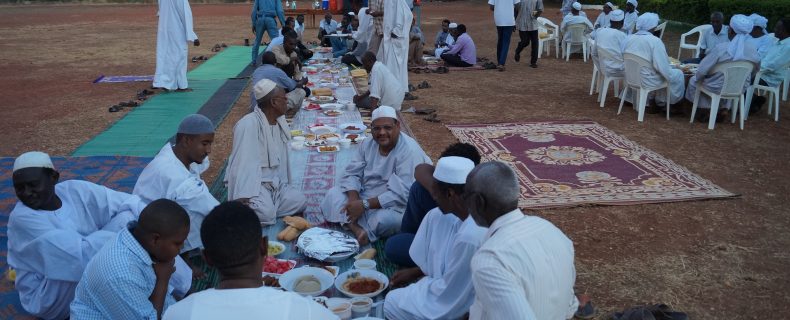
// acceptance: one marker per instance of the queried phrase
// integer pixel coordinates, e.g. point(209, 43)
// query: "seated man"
point(258, 172)
point(278, 40)
point(299, 26)
point(361, 39)
point(416, 42)
point(712, 37)
point(738, 48)
point(574, 18)
point(463, 52)
point(372, 194)
point(56, 228)
point(236, 247)
point(444, 39)
point(325, 27)
point(524, 267)
point(610, 39)
point(128, 278)
point(384, 89)
point(287, 57)
point(774, 65)
point(340, 45)
point(420, 202)
point(175, 174)
point(603, 18)
point(442, 249)
point(296, 90)
point(649, 47)
point(760, 37)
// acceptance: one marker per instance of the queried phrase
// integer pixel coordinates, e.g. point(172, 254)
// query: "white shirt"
point(610, 40)
point(442, 248)
point(250, 303)
point(524, 270)
point(504, 11)
point(299, 28)
point(602, 21)
point(710, 40)
point(385, 87)
point(275, 42)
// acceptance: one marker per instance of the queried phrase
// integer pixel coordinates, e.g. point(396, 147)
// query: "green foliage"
point(771, 9)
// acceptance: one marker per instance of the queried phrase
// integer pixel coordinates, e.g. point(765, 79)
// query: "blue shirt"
point(273, 73)
point(117, 283)
point(267, 8)
point(777, 56)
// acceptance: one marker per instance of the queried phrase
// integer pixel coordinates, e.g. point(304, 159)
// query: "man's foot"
point(586, 309)
point(517, 57)
point(533, 65)
point(183, 90)
point(361, 234)
point(653, 109)
point(501, 67)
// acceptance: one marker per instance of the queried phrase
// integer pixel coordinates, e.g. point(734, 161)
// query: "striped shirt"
point(378, 22)
point(526, 20)
point(524, 270)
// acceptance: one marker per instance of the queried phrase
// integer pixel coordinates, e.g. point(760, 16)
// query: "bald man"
point(128, 278)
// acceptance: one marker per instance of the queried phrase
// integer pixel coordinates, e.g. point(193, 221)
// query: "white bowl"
point(278, 245)
point(380, 277)
point(340, 307)
point(331, 106)
point(299, 138)
point(362, 127)
point(288, 279)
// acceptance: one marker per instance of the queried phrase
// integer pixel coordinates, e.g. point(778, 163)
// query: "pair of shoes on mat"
point(432, 118)
point(655, 312)
point(412, 87)
point(408, 96)
point(424, 85)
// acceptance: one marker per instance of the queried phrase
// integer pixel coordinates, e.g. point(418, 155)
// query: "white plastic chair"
point(661, 27)
point(786, 86)
point(735, 74)
point(595, 82)
point(688, 46)
point(603, 87)
point(545, 25)
point(773, 92)
point(577, 37)
point(633, 80)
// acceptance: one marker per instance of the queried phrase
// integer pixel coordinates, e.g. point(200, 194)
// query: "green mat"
point(226, 64)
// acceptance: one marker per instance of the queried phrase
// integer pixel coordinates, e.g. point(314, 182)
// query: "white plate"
point(276, 275)
point(380, 277)
point(359, 125)
point(332, 113)
point(288, 279)
point(329, 151)
point(322, 129)
point(360, 137)
point(331, 106)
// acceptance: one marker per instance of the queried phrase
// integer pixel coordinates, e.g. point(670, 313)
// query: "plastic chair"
point(661, 27)
point(735, 74)
point(633, 80)
point(786, 85)
point(773, 92)
point(577, 37)
point(545, 25)
point(688, 46)
point(603, 56)
point(595, 82)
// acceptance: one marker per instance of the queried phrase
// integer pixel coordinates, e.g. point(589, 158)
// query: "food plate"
point(332, 113)
point(322, 99)
point(326, 136)
point(331, 106)
point(290, 280)
point(275, 267)
point(275, 248)
point(312, 106)
point(328, 149)
point(327, 245)
point(355, 137)
point(314, 143)
point(347, 281)
point(322, 129)
point(353, 127)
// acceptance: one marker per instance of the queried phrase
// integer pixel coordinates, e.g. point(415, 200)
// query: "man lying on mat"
point(175, 174)
point(56, 228)
point(258, 173)
point(384, 88)
point(236, 246)
point(371, 196)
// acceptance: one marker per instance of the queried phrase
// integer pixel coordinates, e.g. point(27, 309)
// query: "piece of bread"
point(297, 222)
point(322, 92)
point(367, 254)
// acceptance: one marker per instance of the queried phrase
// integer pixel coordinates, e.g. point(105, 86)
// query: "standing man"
point(504, 18)
point(631, 14)
point(175, 30)
point(376, 10)
point(527, 23)
point(565, 9)
point(263, 14)
point(395, 44)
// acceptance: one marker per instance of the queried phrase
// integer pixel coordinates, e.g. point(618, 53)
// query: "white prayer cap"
point(609, 4)
point(352, 14)
point(616, 15)
point(33, 159)
point(263, 87)
point(647, 21)
point(384, 112)
point(577, 6)
point(196, 124)
point(759, 21)
point(453, 170)
point(636, 4)
point(742, 25)
point(453, 25)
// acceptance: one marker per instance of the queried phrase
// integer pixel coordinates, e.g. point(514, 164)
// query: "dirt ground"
point(714, 259)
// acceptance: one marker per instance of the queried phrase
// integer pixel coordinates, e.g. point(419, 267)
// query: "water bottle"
point(293, 4)
point(287, 4)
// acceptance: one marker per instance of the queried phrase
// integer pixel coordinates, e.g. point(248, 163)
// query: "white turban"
point(647, 21)
point(616, 15)
point(759, 21)
point(263, 87)
point(609, 4)
point(636, 4)
point(577, 6)
point(33, 159)
point(196, 124)
point(453, 25)
point(742, 25)
point(453, 170)
point(384, 112)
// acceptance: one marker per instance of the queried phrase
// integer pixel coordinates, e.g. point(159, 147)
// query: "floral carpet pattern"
point(572, 163)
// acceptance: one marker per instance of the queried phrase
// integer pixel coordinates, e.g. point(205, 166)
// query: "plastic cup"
point(340, 307)
point(361, 306)
point(365, 264)
point(297, 145)
point(299, 139)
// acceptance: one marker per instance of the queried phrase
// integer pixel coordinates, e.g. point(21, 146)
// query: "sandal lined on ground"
point(408, 96)
point(424, 85)
point(432, 118)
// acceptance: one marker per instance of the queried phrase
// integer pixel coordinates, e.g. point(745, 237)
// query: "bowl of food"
point(307, 281)
point(276, 267)
point(332, 113)
point(353, 127)
point(361, 283)
point(275, 248)
point(331, 106)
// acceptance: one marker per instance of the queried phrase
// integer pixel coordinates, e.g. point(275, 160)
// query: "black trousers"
point(454, 60)
point(527, 38)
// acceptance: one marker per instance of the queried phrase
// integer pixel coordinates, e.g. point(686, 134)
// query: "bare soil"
point(713, 259)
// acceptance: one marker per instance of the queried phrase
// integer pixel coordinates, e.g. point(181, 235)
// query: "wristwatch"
point(365, 204)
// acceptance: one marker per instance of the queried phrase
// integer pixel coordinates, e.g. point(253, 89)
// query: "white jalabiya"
point(602, 21)
point(50, 249)
point(167, 177)
point(247, 303)
point(629, 23)
point(611, 41)
point(384, 86)
point(714, 82)
point(443, 248)
point(574, 20)
point(762, 44)
point(175, 30)
point(649, 47)
point(388, 178)
point(365, 28)
point(523, 270)
point(258, 167)
point(438, 51)
point(394, 52)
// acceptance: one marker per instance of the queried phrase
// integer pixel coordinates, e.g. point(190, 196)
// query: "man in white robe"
point(372, 194)
point(603, 19)
point(174, 174)
point(649, 47)
point(610, 39)
point(574, 18)
point(258, 171)
point(383, 89)
point(394, 51)
point(631, 15)
point(738, 49)
point(760, 38)
point(442, 250)
point(56, 228)
point(175, 30)
point(448, 42)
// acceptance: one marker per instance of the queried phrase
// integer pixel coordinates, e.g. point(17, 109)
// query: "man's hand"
point(196, 42)
point(404, 277)
point(368, 11)
point(253, 29)
point(163, 270)
point(393, 35)
point(354, 210)
point(303, 81)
